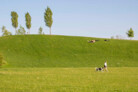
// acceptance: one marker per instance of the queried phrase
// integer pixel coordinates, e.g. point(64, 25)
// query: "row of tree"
point(48, 22)
point(14, 19)
point(20, 31)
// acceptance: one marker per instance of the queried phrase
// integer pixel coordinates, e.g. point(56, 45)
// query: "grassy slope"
point(66, 51)
point(68, 80)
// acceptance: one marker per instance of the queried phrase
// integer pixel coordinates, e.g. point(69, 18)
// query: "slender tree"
point(3, 28)
point(130, 33)
point(40, 30)
point(28, 21)
point(48, 18)
point(14, 20)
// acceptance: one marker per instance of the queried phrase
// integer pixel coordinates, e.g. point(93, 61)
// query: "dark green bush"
point(1, 60)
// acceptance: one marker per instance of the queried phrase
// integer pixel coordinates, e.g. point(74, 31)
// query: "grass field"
point(42, 63)
point(33, 51)
point(124, 79)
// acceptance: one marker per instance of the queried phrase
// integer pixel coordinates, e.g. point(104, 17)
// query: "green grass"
point(41, 51)
point(124, 79)
point(42, 63)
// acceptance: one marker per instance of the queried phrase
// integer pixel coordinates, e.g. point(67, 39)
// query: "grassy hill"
point(67, 51)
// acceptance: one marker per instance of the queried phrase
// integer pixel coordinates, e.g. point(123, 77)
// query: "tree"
point(130, 33)
point(40, 30)
point(1, 60)
point(21, 31)
point(14, 19)
point(112, 37)
point(5, 31)
point(28, 21)
point(48, 18)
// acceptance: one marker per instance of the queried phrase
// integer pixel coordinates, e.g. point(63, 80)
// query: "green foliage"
point(48, 18)
point(130, 33)
point(21, 31)
point(28, 20)
point(40, 30)
point(67, 51)
point(14, 19)
point(5, 32)
point(1, 60)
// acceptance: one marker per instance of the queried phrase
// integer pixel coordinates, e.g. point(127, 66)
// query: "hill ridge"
point(67, 51)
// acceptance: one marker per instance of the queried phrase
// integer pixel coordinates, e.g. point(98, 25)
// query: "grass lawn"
point(121, 79)
point(44, 51)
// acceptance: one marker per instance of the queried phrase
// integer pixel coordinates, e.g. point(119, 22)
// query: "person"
point(105, 66)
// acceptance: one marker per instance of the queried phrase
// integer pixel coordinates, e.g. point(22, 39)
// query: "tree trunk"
point(50, 30)
point(28, 31)
point(15, 31)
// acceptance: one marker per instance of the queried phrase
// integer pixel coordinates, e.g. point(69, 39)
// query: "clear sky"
point(93, 18)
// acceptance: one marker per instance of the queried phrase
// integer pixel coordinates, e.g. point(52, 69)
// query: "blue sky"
point(93, 18)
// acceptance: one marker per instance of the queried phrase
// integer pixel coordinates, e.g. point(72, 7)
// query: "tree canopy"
point(130, 33)
point(40, 30)
point(28, 20)
point(5, 32)
point(21, 31)
point(14, 19)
